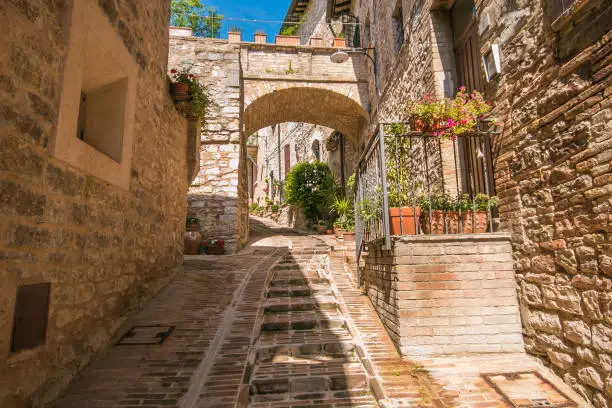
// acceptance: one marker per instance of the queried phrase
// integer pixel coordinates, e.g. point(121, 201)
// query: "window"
point(398, 26)
point(491, 62)
point(559, 7)
point(316, 150)
point(97, 103)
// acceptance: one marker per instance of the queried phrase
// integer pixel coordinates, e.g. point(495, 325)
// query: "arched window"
point(316, 150)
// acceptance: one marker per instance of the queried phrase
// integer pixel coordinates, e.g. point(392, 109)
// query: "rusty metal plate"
point(31, 316)
point(528, 389)
point(145, 335)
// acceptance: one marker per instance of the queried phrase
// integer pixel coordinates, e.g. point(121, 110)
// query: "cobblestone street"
point(282, 325)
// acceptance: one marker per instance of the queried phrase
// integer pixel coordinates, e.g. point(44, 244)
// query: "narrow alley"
point(281, 325)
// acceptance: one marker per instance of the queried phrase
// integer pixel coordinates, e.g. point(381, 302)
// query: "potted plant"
point(197, 94)
point(321, 227)
point(448, 117)
point(339, 229)
point(260, 37)
point(404, 210)
point(234, 34)
point(475, 212)
point(180, 84)
point(192, 237)
point(339, 41)
point(439, 214)
point(332, 142)
point(214, 246)
point(349, 233)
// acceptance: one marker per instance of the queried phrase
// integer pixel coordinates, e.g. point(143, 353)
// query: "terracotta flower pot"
point(316, 41)
point(440, 219)
point(260, 38)
point(321, 229)
point(180, 91)
point(481, 218)
point(214, 250)
point(329, 232)
point(339, 43)
point(407, 223)
point(340, 233)
point(234, 36)
point(192, 241)
point(287, 40)
point(349, 236)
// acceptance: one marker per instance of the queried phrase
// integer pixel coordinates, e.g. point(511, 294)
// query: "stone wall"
point(552, 162)
point(216, 192)
point(553, 180)
point(104, 249)
point(446, 294)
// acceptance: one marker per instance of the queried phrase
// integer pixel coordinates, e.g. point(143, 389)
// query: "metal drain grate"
point(145, 335)
point(528, 389)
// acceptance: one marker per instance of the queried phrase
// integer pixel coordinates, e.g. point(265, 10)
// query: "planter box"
point(339, 43)
point(234, 37)
point(451, 220)
point(214, 250)
point(180, 91)
point(260, 38)
point(287, 40)
point(407, 224)
point(316, 41)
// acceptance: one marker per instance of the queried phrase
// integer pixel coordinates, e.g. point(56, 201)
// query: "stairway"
point(305, 355)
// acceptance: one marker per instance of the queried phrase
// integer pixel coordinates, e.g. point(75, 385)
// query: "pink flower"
point(463, 121)
point(462, 89)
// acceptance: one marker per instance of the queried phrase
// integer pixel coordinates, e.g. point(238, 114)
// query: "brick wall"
point(446, 294)
point(103, 248)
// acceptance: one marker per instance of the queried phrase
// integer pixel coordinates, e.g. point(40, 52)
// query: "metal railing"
point(434, 185)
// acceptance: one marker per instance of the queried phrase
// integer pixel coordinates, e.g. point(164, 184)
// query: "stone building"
point(92, 212)
point(545, 66)
point(299, 142)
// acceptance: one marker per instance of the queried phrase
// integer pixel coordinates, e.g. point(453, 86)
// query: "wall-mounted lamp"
point(341, 56)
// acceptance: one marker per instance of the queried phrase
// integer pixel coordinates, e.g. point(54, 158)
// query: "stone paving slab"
point(436, 380)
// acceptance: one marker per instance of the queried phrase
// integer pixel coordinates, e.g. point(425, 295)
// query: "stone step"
point(294, 274)
point(299, 290)
point(352, 402)
point(298, 281)
point(302, 324)
point(313, 302)
point(281, 353)
point(302, 387)
point(305, 337)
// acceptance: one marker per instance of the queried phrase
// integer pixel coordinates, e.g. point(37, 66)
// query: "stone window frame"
point(87, 25)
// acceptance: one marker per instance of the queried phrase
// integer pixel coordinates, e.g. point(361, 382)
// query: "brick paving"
point(283, 325)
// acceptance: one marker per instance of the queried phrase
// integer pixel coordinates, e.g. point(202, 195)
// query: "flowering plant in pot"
point(444, 117)
point(185, 87)
point(475, 211)
point(439, 214)
point(342, 207)
point(214, 246)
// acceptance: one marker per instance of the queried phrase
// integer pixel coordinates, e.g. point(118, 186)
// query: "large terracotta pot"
point(234, 36)
point(349, 236)
point(481, 218)
point(438, 220)
point(340, 233)
point(288, 40)
point(407, 223)
point(180, 91)
point(339, 43)
point(321, 229)
point(192, 241)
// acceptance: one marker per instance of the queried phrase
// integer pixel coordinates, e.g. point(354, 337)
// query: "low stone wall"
point(446, 294)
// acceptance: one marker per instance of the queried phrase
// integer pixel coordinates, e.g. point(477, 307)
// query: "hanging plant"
point(185, 87)
point(332, 142)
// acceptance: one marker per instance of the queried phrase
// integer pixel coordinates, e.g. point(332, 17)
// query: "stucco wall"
point(105, 249)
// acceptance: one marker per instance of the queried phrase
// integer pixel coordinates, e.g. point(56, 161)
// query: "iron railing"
point(434, 185)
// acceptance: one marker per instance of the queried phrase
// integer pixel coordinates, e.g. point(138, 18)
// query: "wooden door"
point(468, 62)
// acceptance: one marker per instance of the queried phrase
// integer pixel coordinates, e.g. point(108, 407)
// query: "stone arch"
point(318, 106)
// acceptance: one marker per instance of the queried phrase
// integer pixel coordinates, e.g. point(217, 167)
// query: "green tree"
point(311, 186)
point(205, 21)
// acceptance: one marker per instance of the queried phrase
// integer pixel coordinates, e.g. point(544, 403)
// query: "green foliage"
point(350, 184)
point(293, 28)
point(274, 208)
point(369, 213)
point(192, 220)
point(204, 21)
point(199, 98)
point(311, 186)
point(343, 208)
point(402, 187)
point(235, 29)
point(437, 202)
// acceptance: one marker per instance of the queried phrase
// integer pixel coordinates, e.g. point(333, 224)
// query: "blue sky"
point(274, 10)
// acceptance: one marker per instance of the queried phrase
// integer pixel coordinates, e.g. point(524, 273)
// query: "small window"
point(398, 26)
point(316, 150)
point(559, 7)
point(31, 316)
point(492, 62)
